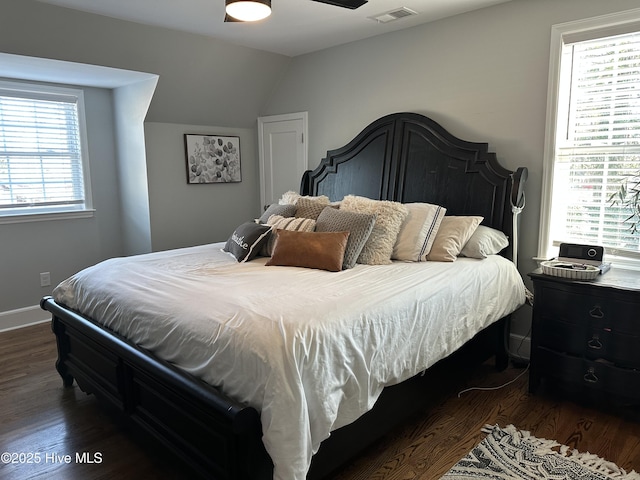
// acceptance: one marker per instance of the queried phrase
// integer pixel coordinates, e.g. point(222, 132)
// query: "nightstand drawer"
point(585, 337)
point(570, 307)
point(577, 374)
point(621, 349)
point(625, 317)
point(563, 336)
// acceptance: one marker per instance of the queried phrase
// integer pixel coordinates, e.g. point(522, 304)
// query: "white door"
point(282, 153)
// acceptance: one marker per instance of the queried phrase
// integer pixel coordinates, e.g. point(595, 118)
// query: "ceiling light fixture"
point(248, 10)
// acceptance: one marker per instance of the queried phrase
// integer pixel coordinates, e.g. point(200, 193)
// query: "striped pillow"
point(286, 223)
point(418, 232)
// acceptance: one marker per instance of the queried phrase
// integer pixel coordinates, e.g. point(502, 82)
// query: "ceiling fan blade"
point(351, 4)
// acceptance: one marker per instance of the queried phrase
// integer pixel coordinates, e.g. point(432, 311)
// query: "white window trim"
point(60, 214)
point(577, 30)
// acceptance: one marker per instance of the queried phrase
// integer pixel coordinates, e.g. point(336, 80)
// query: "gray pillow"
point(275, 209)
point(359, 226)
point(245, 242)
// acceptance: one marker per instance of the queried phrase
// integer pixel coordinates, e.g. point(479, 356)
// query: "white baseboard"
point(519, 347)
point(23, 317)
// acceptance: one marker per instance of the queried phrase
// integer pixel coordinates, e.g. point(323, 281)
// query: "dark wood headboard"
point(407, 157)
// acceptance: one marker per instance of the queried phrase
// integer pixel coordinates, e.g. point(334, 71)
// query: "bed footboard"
point(214, 435)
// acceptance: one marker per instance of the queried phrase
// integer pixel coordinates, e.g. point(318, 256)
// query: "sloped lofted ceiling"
point(295, 27)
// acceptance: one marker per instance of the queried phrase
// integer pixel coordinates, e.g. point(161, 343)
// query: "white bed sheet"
point(309, 349)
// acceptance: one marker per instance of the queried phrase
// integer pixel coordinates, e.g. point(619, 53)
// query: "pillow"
point(453, 234)
point(310, 207)
point(321, 250)
point(282, 223)
point(359, 226)
point(418, 231)
point(291, 197)
point(485, 241)
point(275, 209)
point(245, 242)
point(389, 217)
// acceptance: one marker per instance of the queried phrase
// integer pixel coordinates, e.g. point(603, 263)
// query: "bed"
point(258, 369)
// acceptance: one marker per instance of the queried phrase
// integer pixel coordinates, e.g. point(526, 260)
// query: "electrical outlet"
point(45, 279)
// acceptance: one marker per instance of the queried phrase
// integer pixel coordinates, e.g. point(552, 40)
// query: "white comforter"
point(311, 350)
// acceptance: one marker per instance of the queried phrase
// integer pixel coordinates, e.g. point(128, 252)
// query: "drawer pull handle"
point(595, 343)
point(590, 376)
point(596, 312)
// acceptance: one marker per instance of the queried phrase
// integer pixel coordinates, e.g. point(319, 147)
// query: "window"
point(43, 165)
point(593, 143)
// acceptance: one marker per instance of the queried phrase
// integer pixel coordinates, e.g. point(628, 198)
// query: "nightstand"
point(585, 338)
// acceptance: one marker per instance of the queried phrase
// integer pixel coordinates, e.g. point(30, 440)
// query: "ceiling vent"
point(392, 15)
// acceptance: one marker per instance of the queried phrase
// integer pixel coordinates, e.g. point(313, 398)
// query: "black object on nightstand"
point(585, 338)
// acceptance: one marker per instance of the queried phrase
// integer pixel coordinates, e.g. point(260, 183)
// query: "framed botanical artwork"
point(212, 158)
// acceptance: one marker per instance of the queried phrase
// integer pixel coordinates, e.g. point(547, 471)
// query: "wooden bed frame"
point(404, 157)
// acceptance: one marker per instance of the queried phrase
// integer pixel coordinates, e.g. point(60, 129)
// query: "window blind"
point(597, 142)
point(41, 166)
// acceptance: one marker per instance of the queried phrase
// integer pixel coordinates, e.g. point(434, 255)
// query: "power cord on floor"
point(496, 387)
point(517, 354)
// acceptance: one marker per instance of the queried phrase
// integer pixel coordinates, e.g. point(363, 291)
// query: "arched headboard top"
point(408, 157)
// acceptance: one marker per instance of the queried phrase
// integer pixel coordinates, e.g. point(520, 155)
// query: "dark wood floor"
point(41, 422)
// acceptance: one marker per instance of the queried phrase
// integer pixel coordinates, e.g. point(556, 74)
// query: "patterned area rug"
point(511, 454)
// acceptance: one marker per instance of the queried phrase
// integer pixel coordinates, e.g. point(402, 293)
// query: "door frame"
point(304, 116)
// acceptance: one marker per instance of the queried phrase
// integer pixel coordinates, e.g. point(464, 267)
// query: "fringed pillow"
point(389, 217)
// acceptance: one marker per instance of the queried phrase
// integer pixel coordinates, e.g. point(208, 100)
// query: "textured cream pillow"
point(418, 231)
point(389, 217)
point(291, 198)
point(310, 207)
point(452, 236)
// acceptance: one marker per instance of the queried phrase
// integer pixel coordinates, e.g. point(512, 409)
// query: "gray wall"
point(183, 215)
point(202, 81)
point(483, 75)
point(64, 246)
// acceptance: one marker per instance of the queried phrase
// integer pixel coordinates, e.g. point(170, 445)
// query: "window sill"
point(45, 217)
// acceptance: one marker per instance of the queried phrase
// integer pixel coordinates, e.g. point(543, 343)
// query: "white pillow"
point(418, 231)
point(485, 241)
point(291, 198)
point(452, 236)
point(389, 217)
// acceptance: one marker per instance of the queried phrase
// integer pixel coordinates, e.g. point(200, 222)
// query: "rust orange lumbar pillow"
point(321, 250)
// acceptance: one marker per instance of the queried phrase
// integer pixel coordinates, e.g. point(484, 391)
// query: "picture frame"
point(212, 159)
